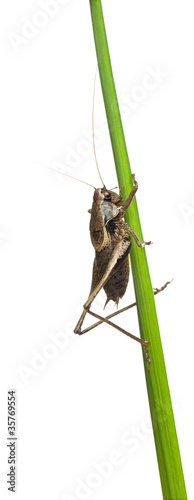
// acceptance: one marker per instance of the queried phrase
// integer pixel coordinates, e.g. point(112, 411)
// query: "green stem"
point(167, 449)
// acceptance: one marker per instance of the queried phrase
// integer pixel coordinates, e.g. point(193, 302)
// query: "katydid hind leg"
point(106, 320)
point(118, 252)
point(126, 308)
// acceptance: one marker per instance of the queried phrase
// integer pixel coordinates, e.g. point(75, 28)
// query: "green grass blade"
point(167, 449)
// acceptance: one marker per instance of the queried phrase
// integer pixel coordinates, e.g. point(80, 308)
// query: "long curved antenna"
point(93, 119)
point(63, 173)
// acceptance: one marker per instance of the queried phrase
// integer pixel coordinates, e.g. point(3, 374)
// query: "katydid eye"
point(107, 196)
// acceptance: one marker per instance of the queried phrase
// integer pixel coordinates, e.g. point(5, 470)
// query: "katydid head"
point(103, 194)
point(114, 198)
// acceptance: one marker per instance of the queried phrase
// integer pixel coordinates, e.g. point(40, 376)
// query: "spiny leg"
point(155, 290)
point(130, 197)
point(106, 317)
point(144, 343)
point(137, 241)
point(158, 290)
point(123, 209)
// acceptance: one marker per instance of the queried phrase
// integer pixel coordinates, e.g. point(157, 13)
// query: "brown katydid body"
point(107, 231)
point(110, 236)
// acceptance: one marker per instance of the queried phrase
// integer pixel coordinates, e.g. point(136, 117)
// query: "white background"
point(89, 400)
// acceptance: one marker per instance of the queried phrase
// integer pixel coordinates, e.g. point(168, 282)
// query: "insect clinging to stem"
point(111, 239)
point(110, 236)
